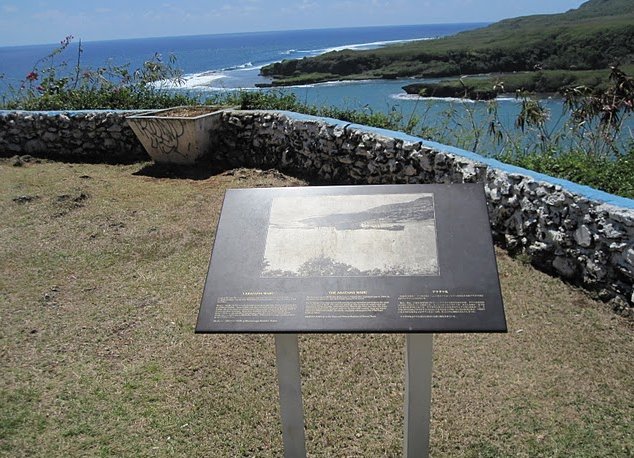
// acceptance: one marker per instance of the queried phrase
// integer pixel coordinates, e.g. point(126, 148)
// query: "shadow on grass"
point(199, 171)
point(206, 170)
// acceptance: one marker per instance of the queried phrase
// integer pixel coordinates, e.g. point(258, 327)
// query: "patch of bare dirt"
point(189, 112)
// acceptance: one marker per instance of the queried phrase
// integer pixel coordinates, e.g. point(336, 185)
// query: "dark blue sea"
point(221, 61)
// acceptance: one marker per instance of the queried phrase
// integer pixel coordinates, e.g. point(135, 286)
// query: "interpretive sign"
point(388, 258)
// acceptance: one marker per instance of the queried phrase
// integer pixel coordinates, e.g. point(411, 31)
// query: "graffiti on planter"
point(164, 136)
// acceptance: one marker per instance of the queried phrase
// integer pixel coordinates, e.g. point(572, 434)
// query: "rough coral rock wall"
point(90, 136)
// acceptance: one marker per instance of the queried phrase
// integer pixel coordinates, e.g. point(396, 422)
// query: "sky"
point(24, 22)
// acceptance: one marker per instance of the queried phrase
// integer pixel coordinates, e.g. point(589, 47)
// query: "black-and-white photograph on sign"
point(351, 236)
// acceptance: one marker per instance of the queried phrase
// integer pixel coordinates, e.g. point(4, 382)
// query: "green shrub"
point(278, 100)
point(613, 175)
point(51, 86)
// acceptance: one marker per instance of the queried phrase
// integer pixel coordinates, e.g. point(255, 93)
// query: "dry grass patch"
point(101, 272)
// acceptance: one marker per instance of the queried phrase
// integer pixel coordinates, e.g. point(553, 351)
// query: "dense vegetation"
point(598, 34)
point(53, 85)
point(486, 87)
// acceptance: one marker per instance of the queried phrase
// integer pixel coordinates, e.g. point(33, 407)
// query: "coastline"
point(481, 86)
point(543, 53)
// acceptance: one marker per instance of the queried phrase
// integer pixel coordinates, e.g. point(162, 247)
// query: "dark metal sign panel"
point(390, 258)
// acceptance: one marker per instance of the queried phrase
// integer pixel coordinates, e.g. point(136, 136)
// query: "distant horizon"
point(263, 32)
point(46, 22)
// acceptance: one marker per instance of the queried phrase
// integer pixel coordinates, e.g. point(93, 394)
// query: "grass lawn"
point(101, 273)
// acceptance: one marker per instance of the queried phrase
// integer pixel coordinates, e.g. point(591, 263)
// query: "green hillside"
point(598, 34)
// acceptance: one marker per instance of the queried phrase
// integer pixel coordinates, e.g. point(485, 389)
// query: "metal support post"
point(418, 367)
point(292, 411)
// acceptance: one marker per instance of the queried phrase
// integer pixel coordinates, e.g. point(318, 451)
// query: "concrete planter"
point(179, 135)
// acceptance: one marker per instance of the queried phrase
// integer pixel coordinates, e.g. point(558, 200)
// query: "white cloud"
point(307, 5)
point(8, 8)
point(49, 15)
point(241, 9)
point(303, 6)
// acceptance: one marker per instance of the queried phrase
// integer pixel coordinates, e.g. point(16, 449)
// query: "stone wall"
point(80, 135)
point(575, 232)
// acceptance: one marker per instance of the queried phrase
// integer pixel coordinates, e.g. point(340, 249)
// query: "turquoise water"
point(454, 120)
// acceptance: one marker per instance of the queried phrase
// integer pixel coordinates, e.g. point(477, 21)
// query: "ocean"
point(223, 61)
point(214, 64)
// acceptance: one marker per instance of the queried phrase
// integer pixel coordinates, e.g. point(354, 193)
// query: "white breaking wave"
point(333, 83)
point(508, 99)
point(193, 81)
point(406, 96)
point(353, 46)
point(451, 99)
point(247, 66)
point(365, 46)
